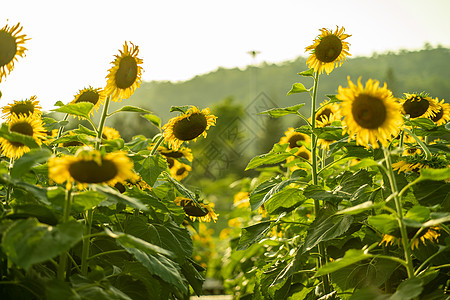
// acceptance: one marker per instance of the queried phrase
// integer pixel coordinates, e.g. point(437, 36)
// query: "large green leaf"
point(28, 242)
point(17, 137)
point(253, 234)
point(259, 194)
point(40, 212)
point(129, 241)
point(29, 160)
point(193, 276)
point(351, 256)
point(408, 289)
point(325, 228)
point(81, 109)
point(279, 112)
point(384, 223)
point(117, 197)
point(36, 192)
point(86, 200)
point(287, 199)
point(150, 168)
point(434, 174)
point(278, 154)
point(430, 193)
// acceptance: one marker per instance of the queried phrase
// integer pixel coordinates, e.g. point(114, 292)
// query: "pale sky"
point(73, 42)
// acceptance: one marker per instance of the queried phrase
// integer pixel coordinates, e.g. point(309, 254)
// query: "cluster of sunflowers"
point(96, 165)
point(333, 196)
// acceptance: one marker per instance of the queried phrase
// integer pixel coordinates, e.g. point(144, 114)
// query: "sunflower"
point(329, 50)
point(292, 138)
point(95, 96)
point(179, 171)
point(110, 133)
point(11, 47)
point(25, 107)
point(370, 112)
point(204, 213)
point(431, 234)
point(416, 162)
point(125, 76)
point(302, 153)
point(188, 126)
point(91, 167)
point(417, 106)
point(442, 115)
point(27, 125)
point(325, 116)
point(182, 152)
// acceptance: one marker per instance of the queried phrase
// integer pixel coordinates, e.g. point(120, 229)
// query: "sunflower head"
point(328, 50)
point(431, 235)
point(178, 170)
point(110, 133)
point(371, 112)
point(25, 107)
point(442, 114)
point(27, 125)
point(293, 138)
point(417, 161)
point(91, 95)
point(125, 75)
point(182, 152)
point(419, 105)
point(91, 167)
point(188, 126)
point(325, 116)
point(11, 47)
point(204, 212)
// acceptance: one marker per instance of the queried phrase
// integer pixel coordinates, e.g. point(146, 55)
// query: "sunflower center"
point(294, 139)
point(325, 113)
point(181, 171)
point(438, 115)
point(88, 96)
point(170, 162)
point(22, 128)
point(174, 154)
point(304, 155)
point(189, 128)
point(194, 211)
point(127, 72)
point(22, 108)
point(416, 107)
point(329, 48)
point(369, 112)
point(88, 171)
point(8, 47)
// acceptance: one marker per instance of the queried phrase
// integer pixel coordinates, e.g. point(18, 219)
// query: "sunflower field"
point(353, 205)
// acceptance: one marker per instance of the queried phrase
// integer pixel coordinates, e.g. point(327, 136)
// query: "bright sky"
point(73, 42)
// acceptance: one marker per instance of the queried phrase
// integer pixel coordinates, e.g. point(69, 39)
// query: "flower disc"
point(369, 112)
point(11, 47)
point(191, 127)
point(25, 107)
point(419, 106)
point(88, 171)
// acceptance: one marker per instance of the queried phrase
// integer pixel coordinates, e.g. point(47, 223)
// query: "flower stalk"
point(62, 266)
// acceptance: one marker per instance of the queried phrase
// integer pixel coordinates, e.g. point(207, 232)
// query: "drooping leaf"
point(40, 212)
point(351, 256)
point(183, 109)
point(307, 73)
point(434, 174)
point(155, 120)
point(130, 108)
point(279, 112)
point(27, 242)
point(117, 197)
point(408, 289)
point(286, 199)
point(278, 154)
point(81, 109)
point(297, 88)
point(252, 234)
point(29, 160)
point(194, 277)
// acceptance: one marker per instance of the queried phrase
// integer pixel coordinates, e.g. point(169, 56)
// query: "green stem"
point(422, 145)
point(86, 242)
point(9, 187)
point(102, 123)
point(398, 207)
point(322, 259)
point(61, 273)
point(158, 142)
point(106, 253)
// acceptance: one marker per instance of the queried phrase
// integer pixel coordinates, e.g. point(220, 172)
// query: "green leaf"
point(194, 278)
point(357, 208)
point(117, 197)
point(29, 160)
point(155, 120)
point(279, 112)
point(434, 174)
point(51, 124)
point(438, 221)
point(258, 196)
point(86, 200)
point(252, 234)
point(57, 289)
point(408, 289)
point(285, 200)
point(424, 123)
point(297, 88)
point(130, 108)
point(318, 193)
point(278, 154)
point(183, 109)
point(81, 109)
point(384, 223)
point(150, 168)
point(129, 241)
point(35, 191)
point(418, 213)
point(181, 188)
point(326, 228)
point(40, 212)
point(308, 73)
point(351, 256)
point(59, 103)
point(28, 242)
point(17, 137)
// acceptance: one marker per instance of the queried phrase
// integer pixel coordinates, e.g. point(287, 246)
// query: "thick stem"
point(86, 242)
point(158, 142)
point(399, 209)
point(61, 273)
point(102, 123)
point(322, 259)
